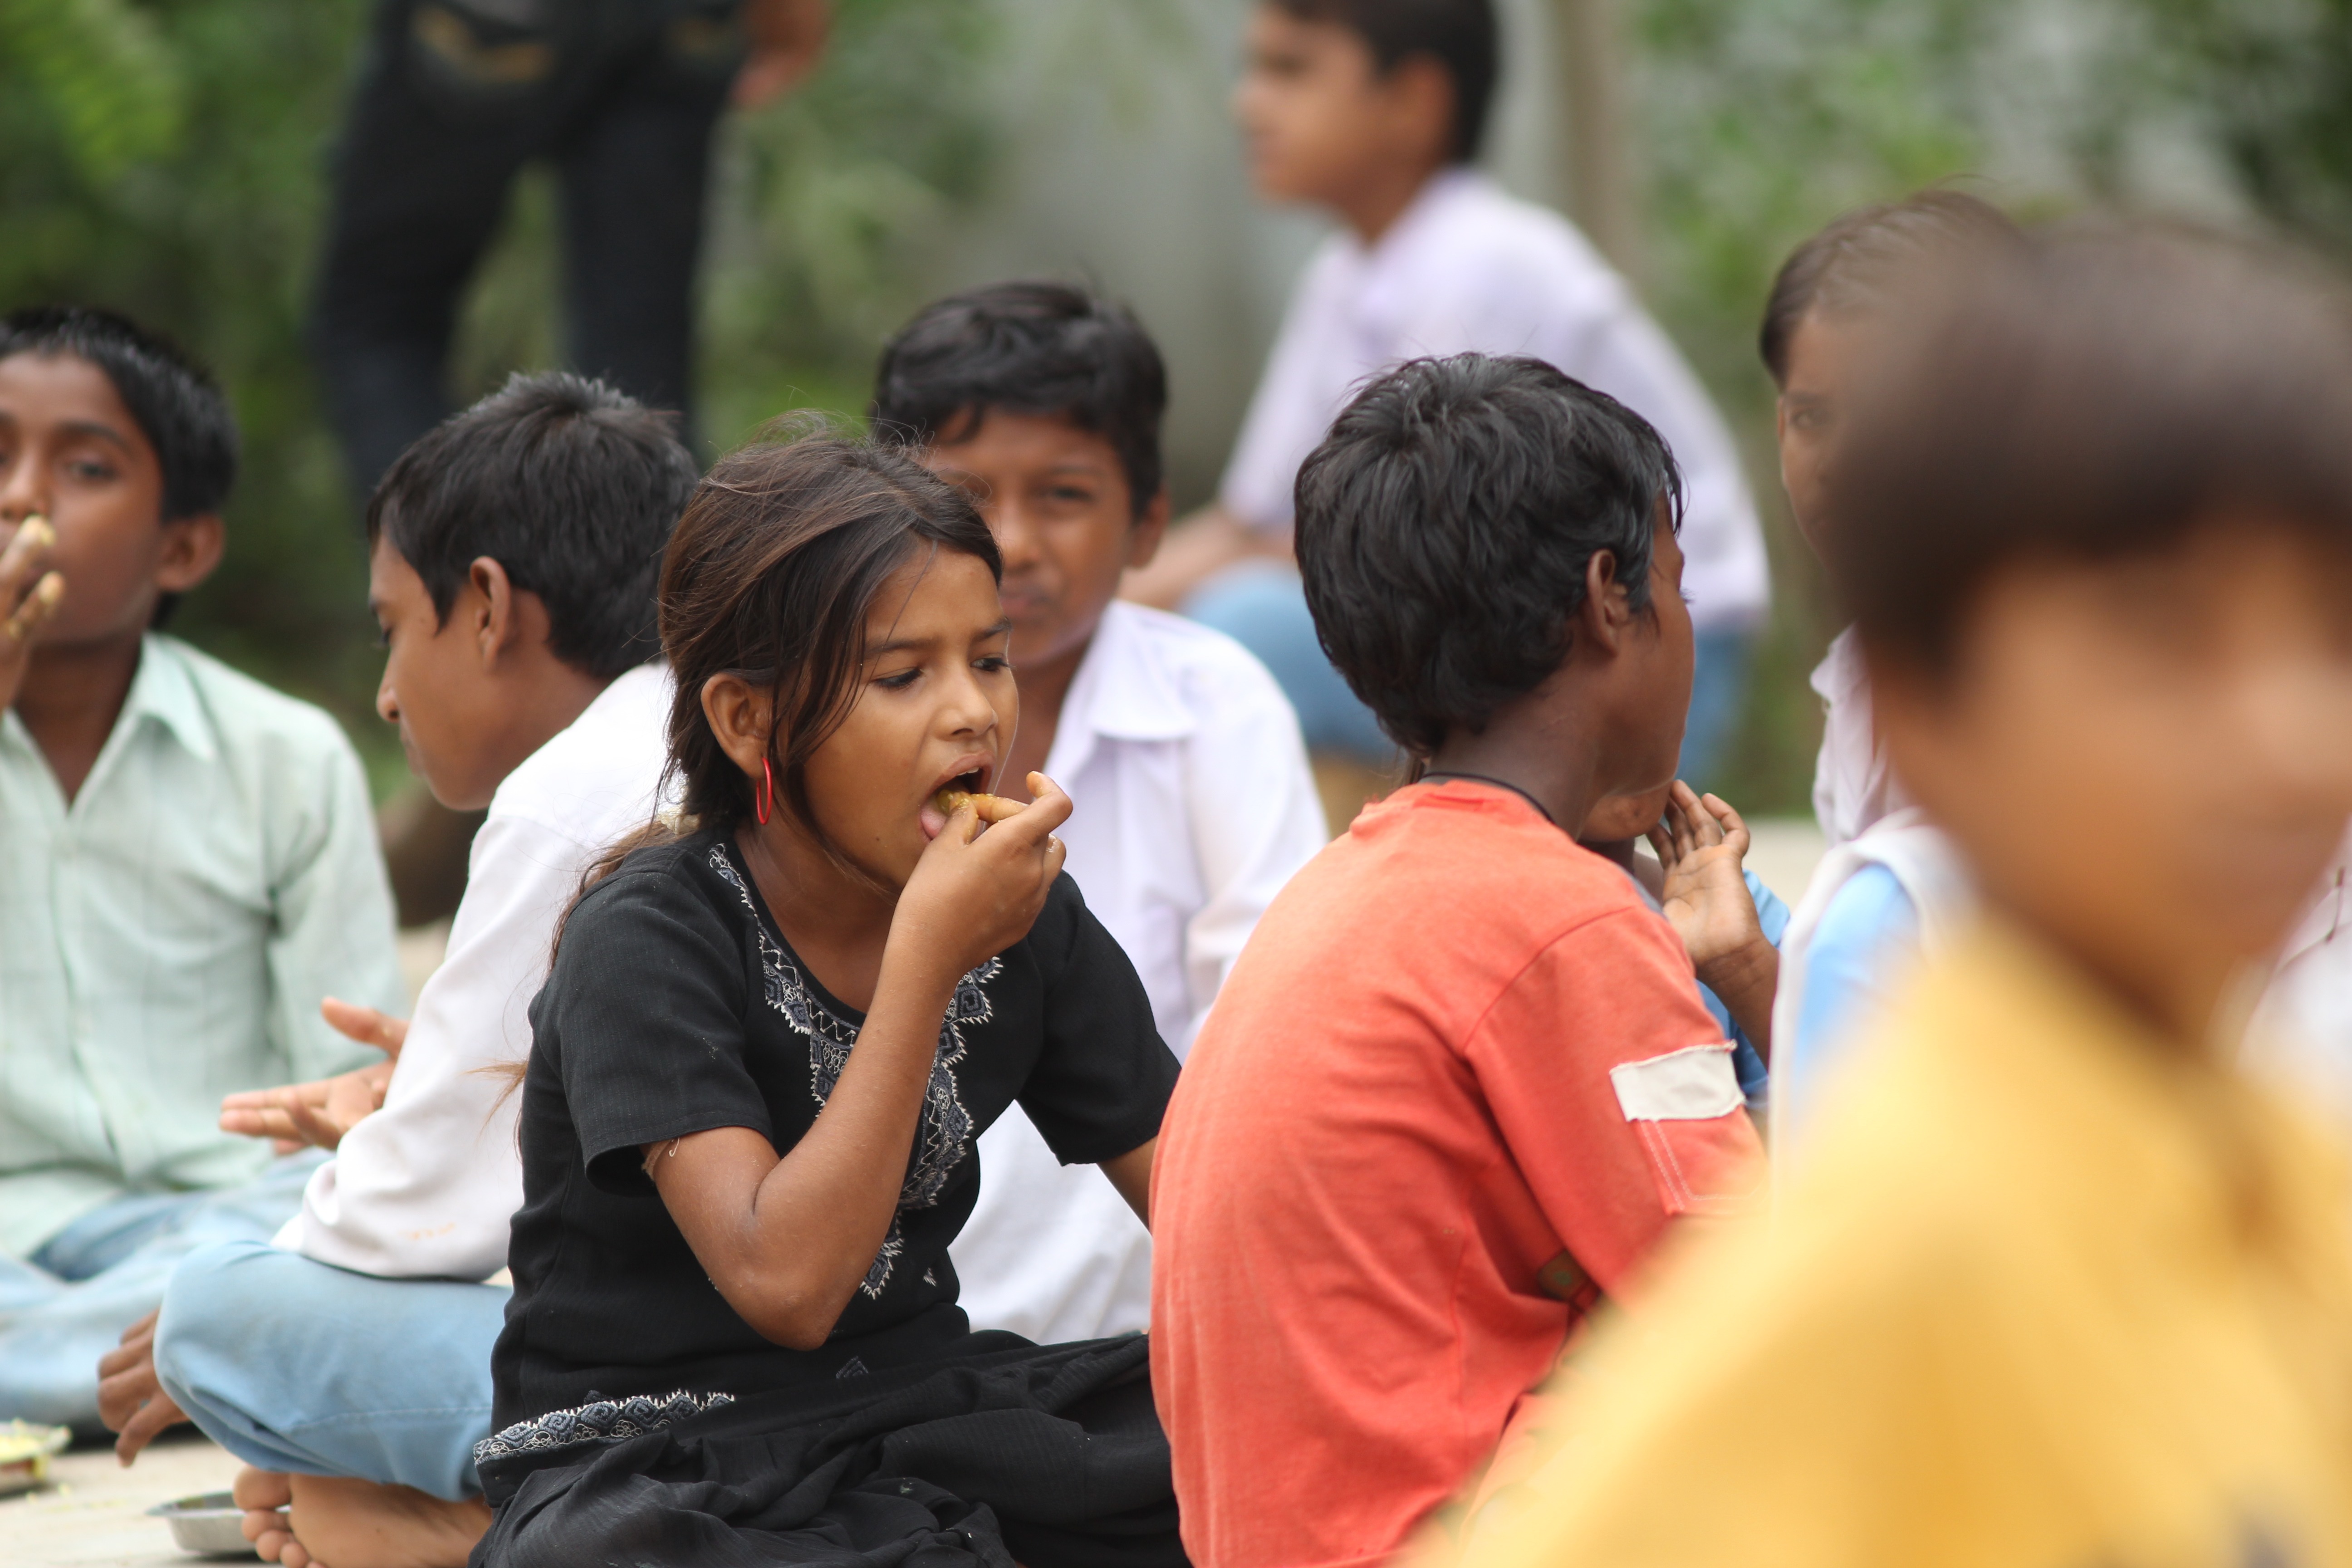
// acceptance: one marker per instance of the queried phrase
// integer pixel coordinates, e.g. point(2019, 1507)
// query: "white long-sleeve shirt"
point(1470, 268)
point(1193, 806)
point(424, 1188)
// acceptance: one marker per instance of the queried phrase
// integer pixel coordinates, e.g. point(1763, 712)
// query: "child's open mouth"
point(934, 815)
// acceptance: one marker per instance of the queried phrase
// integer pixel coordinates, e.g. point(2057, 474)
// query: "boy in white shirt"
point(515, 552)
point(1194, 801)
point(1373, 110)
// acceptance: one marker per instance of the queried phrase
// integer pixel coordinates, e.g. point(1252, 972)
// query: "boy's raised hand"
point(1700, 843)
point(29, 596)
point(320, 1112)
point(975, 893)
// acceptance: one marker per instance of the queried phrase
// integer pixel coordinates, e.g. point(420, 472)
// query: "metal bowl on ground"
point(209, 1524)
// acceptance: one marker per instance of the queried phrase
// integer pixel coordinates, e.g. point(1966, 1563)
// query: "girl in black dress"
point(761, 1061)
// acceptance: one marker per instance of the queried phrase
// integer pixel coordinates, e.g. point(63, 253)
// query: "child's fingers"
point(36, 608)
point(1678, 823)
point(20, 562)
point(1033, 824)
point(1733, 825)
point(1706, 831)
point(1662, 843)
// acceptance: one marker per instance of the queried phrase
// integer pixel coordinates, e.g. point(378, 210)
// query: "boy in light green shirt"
point(188, 863)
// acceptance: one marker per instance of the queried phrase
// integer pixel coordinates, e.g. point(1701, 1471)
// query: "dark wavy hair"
point(1444, 525)
point(173, 398)
point(570, 485)
point(769, 577)
point(1028, 347)
point(1461, 36)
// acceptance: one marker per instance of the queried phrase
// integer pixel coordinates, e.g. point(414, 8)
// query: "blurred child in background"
point(1889, 881)
point(1374, 111)
point(2057, 1282)
point(1194, 800)
point(1460, 1082)
point(188, 862)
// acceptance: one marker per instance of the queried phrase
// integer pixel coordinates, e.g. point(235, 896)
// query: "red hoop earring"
point(767, 802)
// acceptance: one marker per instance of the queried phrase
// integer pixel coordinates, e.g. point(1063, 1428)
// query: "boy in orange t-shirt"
point(1461, 1079)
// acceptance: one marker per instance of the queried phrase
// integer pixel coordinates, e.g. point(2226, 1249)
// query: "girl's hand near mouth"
point(974, 894)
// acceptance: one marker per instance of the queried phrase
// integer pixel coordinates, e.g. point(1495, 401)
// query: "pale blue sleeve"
point(1869, 929)
point(1746, 1059)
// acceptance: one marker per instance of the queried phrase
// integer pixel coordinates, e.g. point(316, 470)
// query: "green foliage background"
point(166, 157)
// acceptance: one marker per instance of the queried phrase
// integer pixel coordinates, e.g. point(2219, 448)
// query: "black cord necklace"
point(1483, 778)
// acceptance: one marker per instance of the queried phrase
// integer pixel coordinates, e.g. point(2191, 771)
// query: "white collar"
point(1123, 690)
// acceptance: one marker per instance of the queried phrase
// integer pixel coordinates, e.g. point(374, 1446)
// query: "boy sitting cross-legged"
point(187, 859)
point(515, 550)
point(1194, 800)
point(1462, 1079)
point(2056, 1281)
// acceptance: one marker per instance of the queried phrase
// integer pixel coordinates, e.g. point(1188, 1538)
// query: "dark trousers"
point(453, 98)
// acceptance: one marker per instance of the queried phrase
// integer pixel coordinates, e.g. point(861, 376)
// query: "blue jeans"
point(293, 1364)
point(68, 1304)
point(1719, 695)
point(1261, 605)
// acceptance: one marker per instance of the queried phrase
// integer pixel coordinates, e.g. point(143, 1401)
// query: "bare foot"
point(331, 1521)
point(264, 1494)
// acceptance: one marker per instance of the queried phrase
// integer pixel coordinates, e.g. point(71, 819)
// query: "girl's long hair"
point(769, 577)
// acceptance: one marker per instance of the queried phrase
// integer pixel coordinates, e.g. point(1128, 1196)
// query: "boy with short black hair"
point(1194, 801)
point(516, 549)
point(1373, 111)
point(2056, 1281)
point(188, 861)
point(1461, 1081)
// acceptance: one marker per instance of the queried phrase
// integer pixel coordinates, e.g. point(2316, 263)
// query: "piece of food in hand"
point(990, 807)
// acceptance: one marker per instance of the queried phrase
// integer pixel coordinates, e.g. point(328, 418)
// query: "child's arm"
point(786, 1240)
point(1131, 1174)
point(1700, 844)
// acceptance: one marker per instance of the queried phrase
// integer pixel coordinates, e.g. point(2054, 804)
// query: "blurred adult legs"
point(447, 111)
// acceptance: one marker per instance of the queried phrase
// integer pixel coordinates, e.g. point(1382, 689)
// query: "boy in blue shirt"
point(188, 862)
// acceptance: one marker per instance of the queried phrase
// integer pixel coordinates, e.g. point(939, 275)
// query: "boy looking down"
point(1194, 801)
point(188, 861)
point(2056, 1281)
point(1461, 1079)
point(514, 554)
point(1373, 111)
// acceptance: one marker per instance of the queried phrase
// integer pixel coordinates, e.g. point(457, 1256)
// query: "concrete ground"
point(93, 1514)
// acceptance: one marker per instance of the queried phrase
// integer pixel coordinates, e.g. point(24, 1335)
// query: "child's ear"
point(193, 546)
point(496, 617)
point(1143, 538)
point(1607, 612)
point(741, 717)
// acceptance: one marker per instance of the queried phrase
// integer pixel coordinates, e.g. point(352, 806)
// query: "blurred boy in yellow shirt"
point(2055, 1285)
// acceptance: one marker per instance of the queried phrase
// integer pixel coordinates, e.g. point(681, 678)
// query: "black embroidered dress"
point(676, 1006)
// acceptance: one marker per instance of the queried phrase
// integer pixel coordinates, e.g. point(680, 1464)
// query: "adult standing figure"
point(453, 98)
